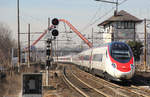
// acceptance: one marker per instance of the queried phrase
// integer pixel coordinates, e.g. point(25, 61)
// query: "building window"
point(126, 25)
point(119, 25)
point(129, 25)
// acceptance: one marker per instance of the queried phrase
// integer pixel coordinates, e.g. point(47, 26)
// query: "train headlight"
point(132, 66)
point(114, 65)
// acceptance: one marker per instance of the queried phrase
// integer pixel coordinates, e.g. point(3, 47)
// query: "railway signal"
point(55, 21)
point(48, 52)
point(53, 34)
point(48, 63)
point(54, 31)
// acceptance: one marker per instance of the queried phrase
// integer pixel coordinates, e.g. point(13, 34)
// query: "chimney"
point(115, 13)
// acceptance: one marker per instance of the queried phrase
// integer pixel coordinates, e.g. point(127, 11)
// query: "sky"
point(83, 14)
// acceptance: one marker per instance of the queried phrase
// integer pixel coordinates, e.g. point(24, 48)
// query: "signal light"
point(55, 32)
point(48, 52)
point(48, 41)
point(48, 62)
point(55, 21)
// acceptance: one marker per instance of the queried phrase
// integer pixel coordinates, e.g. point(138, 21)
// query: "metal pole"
point(112, 35)
point(92, 36)
point(51, 48)
point(46, 75)
point(51, 36)
point(18, 20)
point(57, 48)
point(91, 51)
point(47, 69)
point(134, 33)
point(28, 45)
point(116, 6)
point(145, 37)
point(48, 22)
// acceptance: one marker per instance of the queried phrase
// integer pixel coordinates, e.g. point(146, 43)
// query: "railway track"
point(114, 89)
point(83, 88)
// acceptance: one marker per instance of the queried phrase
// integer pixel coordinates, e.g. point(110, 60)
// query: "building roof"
point(120, 16)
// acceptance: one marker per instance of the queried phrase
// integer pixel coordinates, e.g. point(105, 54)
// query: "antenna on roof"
point(116, 7)
point(116, 3)
point(115, 13)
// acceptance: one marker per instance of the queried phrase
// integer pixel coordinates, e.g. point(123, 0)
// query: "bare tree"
point(6, 43)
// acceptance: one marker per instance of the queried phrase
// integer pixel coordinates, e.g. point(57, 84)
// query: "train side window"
point(81, 57)
point(97, 57)
point(86, 57)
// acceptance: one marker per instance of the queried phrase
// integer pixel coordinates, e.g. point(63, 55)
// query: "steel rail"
point(108, 87)
point(72, 85)
point(100, 92)
point(132, 89)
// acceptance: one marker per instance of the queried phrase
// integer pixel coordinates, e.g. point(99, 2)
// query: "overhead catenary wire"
point(122, 2)
point(105, 14)
point(25, 15)
point(100, 18)
point(94, 16)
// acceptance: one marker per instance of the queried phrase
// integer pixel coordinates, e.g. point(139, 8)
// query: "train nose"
point(125, 75)
point(124, 68)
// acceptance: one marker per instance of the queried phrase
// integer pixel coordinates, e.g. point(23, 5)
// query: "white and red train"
point(113, 61)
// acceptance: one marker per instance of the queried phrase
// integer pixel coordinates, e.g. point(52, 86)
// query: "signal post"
point(49, 54)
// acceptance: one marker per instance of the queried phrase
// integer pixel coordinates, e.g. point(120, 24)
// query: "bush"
point(137, 49)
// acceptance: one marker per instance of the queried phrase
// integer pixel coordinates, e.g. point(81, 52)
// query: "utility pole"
point(28, 45)
point(145, 47)
point(18, 20)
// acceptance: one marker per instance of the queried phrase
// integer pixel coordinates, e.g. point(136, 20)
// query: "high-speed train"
point(113, 61)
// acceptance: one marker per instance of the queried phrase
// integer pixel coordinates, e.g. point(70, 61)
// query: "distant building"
point(120, 27)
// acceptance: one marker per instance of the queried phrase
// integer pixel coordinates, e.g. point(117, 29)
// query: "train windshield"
point(120, 52)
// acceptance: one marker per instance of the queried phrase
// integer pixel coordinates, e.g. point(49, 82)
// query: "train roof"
point(103, 45)
point(110, 43)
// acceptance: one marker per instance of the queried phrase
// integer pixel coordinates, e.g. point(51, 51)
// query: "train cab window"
point(120, 52)
point(97, 57)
